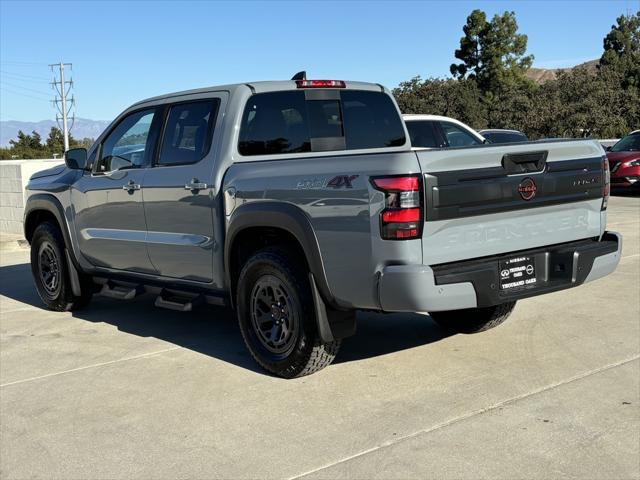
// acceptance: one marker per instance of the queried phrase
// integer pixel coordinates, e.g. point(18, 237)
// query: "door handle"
point(131, 186)
point(194, 185)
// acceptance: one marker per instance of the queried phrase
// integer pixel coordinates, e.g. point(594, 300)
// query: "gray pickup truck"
point(299, 202)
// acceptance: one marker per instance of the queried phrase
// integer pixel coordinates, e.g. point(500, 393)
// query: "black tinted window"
point(188, 131)
point(275, 123)
point(285, 122)
point(505, 137)
point(371, 120)
point(423, 134)
point(629, 143)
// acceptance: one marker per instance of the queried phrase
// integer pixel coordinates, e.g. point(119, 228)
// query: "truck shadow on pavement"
point(213, 331)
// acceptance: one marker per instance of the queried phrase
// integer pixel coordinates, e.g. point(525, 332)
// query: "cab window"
point(289, 122)
point(188, 132)
point(129, 145)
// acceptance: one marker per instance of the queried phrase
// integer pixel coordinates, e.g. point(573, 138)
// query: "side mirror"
point(76, 158)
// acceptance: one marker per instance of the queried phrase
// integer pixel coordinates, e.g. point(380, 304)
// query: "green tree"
point(622, 49)
point(31, 146)
point(25, 141)
point(493, 52)
point(55, 141)
point(451, 98)
point(475, 30)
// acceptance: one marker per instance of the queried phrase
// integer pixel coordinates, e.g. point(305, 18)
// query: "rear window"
point(505, 137)
point(294, 122)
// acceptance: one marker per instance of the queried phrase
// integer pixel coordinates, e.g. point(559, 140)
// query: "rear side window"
point(187, 134)
point(458, 137)
point(423, 134)
point(289, 122)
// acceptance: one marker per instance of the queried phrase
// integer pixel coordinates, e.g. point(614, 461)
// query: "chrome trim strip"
point(162, 238)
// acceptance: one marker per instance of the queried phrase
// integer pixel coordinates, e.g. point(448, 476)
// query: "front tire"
point(51, 272)
point(276, 316)
point(473, 320)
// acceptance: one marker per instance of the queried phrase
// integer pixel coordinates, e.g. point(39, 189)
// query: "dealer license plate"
point(517, 272)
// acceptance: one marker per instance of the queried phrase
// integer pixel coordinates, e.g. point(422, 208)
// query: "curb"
point(13, 245)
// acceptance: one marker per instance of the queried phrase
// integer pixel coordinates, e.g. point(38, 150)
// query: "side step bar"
point(172, 301)
point(121, 292)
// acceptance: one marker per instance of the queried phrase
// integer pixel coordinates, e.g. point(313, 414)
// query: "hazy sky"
point(125, 51)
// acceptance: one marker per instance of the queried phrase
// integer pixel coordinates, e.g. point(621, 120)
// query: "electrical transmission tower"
point(63, 104)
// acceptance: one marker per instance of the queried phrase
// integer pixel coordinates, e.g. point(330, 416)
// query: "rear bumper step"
point(476, 283)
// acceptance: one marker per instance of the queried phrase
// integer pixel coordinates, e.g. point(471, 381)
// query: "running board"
point(120, 292)
point(172, 301)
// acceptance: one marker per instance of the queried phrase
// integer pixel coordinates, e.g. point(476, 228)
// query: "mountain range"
point(541, 75)
point(82, 128)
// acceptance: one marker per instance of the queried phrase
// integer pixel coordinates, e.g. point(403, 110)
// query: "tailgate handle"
point(526, 162)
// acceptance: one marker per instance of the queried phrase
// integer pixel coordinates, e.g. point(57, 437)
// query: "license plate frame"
point(517, 273)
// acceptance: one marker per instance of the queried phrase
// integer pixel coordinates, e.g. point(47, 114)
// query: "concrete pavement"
point(123, 390)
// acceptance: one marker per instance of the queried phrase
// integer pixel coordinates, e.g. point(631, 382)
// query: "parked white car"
point(435, 131)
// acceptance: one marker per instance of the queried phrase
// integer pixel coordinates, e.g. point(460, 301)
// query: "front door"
point(109, 211)
point(179, 193)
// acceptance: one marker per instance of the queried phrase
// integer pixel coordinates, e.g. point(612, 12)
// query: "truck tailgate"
point(486, 200)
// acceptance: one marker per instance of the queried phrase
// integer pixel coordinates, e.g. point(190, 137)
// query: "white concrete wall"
point(14, 175)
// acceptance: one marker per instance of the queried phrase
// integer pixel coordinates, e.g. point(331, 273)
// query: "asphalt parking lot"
point(124, 390)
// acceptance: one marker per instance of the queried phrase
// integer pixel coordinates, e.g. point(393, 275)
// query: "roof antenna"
point(300, 76)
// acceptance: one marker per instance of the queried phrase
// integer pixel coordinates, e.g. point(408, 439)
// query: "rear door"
point(489, 200)
point(179, 197)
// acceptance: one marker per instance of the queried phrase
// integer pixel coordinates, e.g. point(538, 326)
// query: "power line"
point(22, 75)
point(61, 89)
point(27, 80)
point(23, 94)
point(24, 88)
point(21, 63)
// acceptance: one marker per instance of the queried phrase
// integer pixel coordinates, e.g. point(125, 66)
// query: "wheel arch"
point(278, 217)
point(41, 207)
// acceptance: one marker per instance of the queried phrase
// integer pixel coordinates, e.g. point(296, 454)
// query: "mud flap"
point(332, 324)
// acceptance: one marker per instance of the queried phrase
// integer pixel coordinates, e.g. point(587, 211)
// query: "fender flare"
point(49, 203)
point(284, 216)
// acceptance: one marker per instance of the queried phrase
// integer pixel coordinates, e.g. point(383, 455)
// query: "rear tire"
point(51, 272)
point(277, 318)
point(473, 320)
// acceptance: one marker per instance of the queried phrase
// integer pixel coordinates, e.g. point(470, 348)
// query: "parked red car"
point(624, 162)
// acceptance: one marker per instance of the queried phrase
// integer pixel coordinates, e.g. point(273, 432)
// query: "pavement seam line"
point(135, 357)
point(468, 415)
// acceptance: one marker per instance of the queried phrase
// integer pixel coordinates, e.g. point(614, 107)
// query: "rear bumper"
point(474, 283)
point(625, 177)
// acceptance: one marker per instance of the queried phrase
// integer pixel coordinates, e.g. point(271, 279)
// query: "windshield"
point(630, 143)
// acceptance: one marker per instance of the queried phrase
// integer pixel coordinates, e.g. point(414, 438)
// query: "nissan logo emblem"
point(527, 189)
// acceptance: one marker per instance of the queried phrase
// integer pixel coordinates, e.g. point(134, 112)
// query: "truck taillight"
point(606, 185)
point(402, 216)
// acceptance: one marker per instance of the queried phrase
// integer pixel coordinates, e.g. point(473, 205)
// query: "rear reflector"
point(320, 84)
point(401, 215)
point(606, 183)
